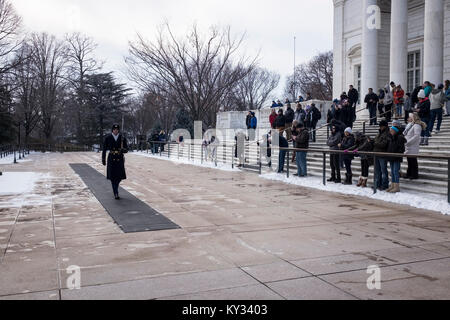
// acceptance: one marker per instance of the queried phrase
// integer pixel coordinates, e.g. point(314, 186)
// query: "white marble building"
point(410, 44)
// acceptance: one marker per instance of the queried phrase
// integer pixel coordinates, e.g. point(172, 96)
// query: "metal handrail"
point(375, 155)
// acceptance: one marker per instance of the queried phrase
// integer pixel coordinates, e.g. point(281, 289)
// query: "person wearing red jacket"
point(399, 101)
point(272, 118)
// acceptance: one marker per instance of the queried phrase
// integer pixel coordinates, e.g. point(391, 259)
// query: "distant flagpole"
point(295, 78)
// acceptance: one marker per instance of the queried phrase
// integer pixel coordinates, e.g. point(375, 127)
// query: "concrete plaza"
point(242, 237)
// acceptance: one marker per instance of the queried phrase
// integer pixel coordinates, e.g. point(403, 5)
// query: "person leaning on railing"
point(301, 140)
point(412, 135)
point(363, 143)
point(380, 144)
point(396, 144)
point(347, 142)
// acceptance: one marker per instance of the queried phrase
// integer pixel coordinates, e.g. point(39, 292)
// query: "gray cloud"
point(270, 25)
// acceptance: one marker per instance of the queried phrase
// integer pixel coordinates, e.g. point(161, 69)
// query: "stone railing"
point(235, 120)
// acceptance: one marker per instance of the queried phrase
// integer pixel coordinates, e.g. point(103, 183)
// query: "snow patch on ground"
point(17, 189)
point(198, 163)
point(418, 200)
point(18, 182)
point(10, 159)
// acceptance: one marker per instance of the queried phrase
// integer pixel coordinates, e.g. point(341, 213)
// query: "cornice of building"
point(338, 3)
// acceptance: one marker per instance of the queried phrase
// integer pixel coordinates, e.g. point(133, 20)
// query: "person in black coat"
point(333, 142)
point(396, 144)
point(372, 101)
point(280, 122)
point(344, 113)
point(117, 146)
point(363, 143)
point(347, 142)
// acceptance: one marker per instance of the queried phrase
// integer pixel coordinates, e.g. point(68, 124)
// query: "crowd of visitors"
point(413, 116)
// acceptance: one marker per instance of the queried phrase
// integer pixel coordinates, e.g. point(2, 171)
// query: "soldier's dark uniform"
point(116, 160)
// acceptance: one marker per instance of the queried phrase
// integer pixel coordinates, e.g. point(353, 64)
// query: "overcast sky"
point(270, 25)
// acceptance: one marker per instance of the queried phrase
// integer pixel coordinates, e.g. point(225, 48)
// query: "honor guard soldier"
point(117, 146)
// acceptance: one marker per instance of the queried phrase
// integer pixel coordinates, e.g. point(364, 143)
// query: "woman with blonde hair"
point(412, 134)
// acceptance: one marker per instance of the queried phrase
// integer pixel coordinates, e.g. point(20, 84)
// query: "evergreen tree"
point(7, 126)
point(106, 102)
point(184, 121)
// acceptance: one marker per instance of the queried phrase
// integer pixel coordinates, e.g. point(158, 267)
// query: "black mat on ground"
point(130, 213)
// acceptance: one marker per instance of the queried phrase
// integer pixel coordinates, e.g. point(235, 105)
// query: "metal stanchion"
point(324, 169)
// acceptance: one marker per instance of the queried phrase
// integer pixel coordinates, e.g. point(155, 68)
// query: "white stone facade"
point(412, 44)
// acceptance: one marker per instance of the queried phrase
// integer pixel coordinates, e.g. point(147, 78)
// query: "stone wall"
point(233, 121)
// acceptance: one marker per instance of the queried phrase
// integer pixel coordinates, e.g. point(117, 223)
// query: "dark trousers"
point(436, 114)
point(348, 166)
point(413, 168)
point(380, 109)
point(388, 111)
point(365, 168)
point(281, 160)
point(115, 186)
point(335, 166)
point(373, 114)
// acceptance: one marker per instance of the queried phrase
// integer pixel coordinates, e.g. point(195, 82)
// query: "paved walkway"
point(242, 237)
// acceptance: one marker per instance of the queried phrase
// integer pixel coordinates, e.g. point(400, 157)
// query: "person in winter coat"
point(372, 101)
point(301, 140)
point(117, 146)
point(252, 126)
point(408, 106)
point(447, 97)
point(279, 104)
point(274, 105)
point(289, 115)
point(283, 143)
point(313, 116)
point(353, 96)
point(380, 144)
point(396, 144)
point(388, 103)
point(333, 142)
point(363, 143)
point(347, 142)
point(437, 100)
point(273, 116)
point(331, 114)
point(381, 96)
point(423, 110)
point(412, 135)
point(248, 119)
point(427, 88)
point(344, 113)
point(399, 101)
point(300, 114)
point(280, 122)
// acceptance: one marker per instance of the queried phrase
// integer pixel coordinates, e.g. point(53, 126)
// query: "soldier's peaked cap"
point(116, 126)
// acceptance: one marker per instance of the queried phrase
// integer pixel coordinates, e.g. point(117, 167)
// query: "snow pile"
point(17, 190)
point(196, 162)
point(12, 183)
point(418, 200)
point(10, 159)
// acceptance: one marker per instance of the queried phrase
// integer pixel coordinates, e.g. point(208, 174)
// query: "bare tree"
point(81, 62)
point(49, 58)
point(253, 91)
point(10, 28)
point(315, 77)
point(25, 93)
point(196, 71)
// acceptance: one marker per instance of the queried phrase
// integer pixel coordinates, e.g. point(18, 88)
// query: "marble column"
point(399, 42)
point(338, 48)
point(369, 54)
point(433, 60)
